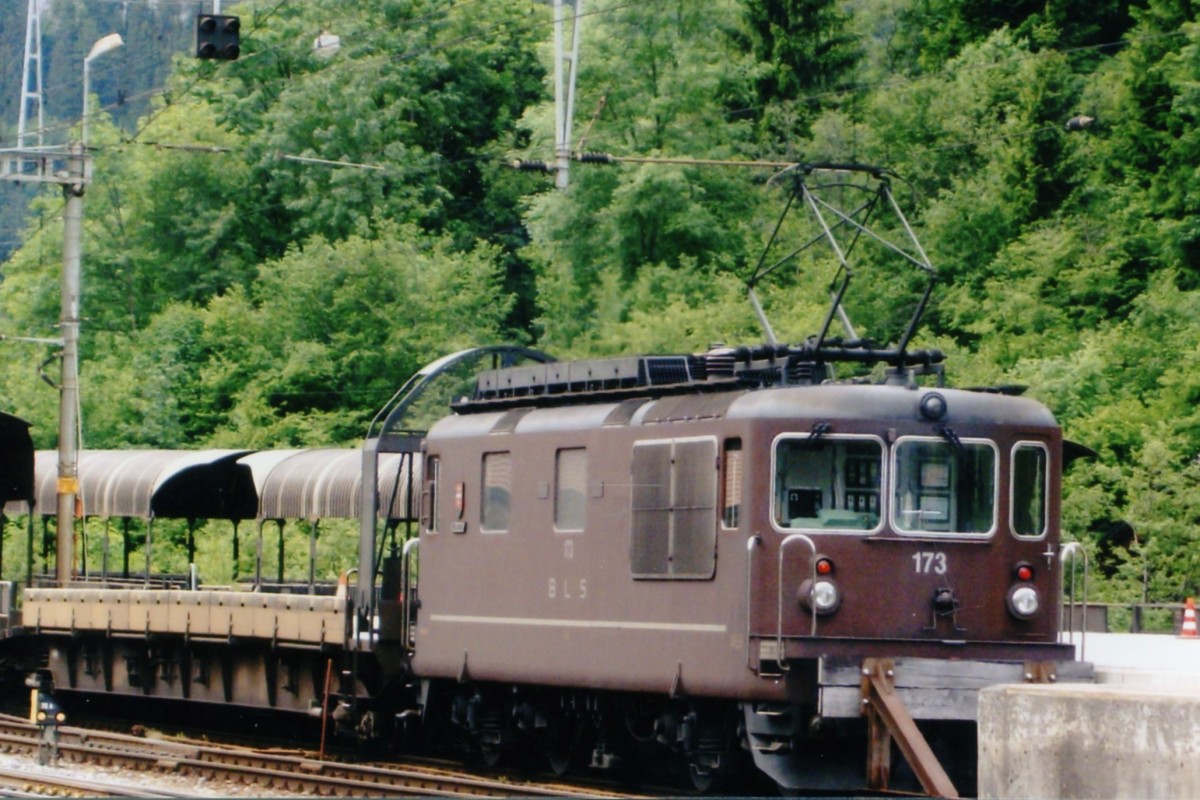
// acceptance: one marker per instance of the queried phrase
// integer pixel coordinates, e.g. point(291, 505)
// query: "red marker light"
point(824, 566)
point(1024, 572)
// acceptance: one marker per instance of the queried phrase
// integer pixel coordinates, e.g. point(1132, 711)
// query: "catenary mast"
point(31, 73)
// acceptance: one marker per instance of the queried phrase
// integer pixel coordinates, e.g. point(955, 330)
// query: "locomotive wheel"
point(713, 764)
point(706, 777)
point(560, 755)
point(562, 743)
point(712, 771)
point(490, 755)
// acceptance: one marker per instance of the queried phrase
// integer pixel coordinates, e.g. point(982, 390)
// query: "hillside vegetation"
point(240, 293)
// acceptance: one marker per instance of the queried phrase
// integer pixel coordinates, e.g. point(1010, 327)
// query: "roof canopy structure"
point(325, 484)
point(205, 484)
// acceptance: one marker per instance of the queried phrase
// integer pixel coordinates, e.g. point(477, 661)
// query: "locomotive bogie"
point(574, 728)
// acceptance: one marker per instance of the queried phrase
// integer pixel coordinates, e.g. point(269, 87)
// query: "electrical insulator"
point(532, 166)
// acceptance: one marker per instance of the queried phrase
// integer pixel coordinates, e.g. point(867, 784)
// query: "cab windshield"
point(944, 487)
point(824, 483)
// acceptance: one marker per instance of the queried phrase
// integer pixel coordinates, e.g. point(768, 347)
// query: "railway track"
point(279, 772)
point(27, 783)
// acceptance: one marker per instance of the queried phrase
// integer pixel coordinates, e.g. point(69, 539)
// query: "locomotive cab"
point(929, 535)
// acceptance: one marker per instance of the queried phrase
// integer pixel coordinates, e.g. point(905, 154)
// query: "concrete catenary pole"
point(68, 454)
point(564, 89)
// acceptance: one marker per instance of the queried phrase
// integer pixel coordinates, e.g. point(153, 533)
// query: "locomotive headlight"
point(933, 406)
point(825, 597)
point(821, 596)
point(1023, 601)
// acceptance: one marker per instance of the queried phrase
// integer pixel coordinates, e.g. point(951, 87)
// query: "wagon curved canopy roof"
point(325, 483)
point(187, 484)
point(218, 484)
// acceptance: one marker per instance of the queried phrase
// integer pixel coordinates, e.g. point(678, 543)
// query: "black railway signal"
point(218, 36)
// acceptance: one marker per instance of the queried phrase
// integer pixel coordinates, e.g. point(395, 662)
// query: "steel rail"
point(272, 770)
point(25, 783)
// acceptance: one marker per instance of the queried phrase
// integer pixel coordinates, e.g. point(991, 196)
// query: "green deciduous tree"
point(804, 51)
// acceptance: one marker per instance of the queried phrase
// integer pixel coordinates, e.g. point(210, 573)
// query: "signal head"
point(218, 37)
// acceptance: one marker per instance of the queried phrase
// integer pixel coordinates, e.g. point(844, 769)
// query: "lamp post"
point(79, 169)
point(102, 46)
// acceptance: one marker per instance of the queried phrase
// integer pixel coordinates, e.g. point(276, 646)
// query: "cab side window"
point(570, 489)
point(497, 492)
point(1030, 474)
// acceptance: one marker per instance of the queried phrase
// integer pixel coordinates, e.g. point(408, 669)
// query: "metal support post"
point(887, 718)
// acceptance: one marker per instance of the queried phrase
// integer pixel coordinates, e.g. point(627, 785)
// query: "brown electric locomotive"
point(710, 558)
point(742, 554)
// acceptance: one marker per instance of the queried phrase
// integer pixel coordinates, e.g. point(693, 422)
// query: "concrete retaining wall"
point(1089, 741)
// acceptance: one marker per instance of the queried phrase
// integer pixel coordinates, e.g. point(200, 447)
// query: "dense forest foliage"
point(240, 291)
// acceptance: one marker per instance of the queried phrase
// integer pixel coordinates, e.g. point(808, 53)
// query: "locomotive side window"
point(945, 487)
point(732, 503)
point(829, 482)
point(1030, 475)
point(570, 489)
point(497, 491)
point(429, 506)
point(674, 498)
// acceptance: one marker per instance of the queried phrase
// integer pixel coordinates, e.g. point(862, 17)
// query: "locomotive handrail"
point(795, 537)
point(751, 543)
point(1074, 549)
point(405, 590)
